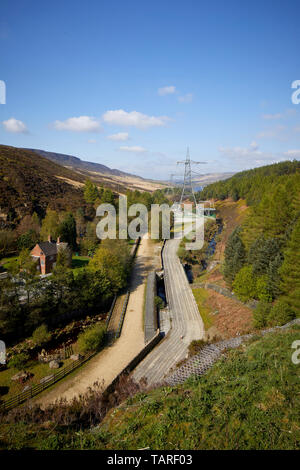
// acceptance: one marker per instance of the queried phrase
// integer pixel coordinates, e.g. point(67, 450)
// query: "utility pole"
point(188, 189)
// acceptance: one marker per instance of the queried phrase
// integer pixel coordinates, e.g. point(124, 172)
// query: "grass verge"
point(201, 296)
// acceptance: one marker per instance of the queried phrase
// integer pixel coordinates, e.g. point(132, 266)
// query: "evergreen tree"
point(274, 276)
point(67, 231)
point(235, 255)
point(107, 197)
point(90, 192)
point(50, 225)
point(261, 253)
point(290, 271)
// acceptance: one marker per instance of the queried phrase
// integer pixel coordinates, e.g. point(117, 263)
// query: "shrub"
point(92, 339)
point(260, 314)
point(41, 335)
point(195, 346)
point(159, 302)
point(280, 314)
point(19, 361)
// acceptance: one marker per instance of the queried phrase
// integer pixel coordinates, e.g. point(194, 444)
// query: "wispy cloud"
point(276, 116)
point(252, 156)
point(133, 149)
point(79, 124)
point(15, 126)
point(292, 154)
point(186, 98)
point(166, 90)
point(119, 117)
point(273, 133)
point(92, 141)
point(120, 136)
point(272, 116)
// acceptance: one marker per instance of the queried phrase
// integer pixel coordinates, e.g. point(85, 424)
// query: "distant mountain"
point(102, 174)
point(78, 164)
point(209, 178)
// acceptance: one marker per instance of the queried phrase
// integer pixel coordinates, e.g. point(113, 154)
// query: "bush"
point(195, 346)
point(92, 339)
point(260, 314)
point(41, 335)
point(280, 314)
point(19, 361)
point(159, 302)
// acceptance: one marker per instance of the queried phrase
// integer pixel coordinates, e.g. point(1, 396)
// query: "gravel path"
point(112, 360)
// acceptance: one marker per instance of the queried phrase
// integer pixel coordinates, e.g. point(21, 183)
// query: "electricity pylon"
point(188, 189)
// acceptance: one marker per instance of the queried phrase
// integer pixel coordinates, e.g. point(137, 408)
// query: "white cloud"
point(78, 124)
point(254, 145)
point(252, 156)
point(133, 148)
point(185, 98)
point(15, 126)
point(92, 141)
point(119, 117)
point(120, 136)
point(238, 153)
point(166, 90)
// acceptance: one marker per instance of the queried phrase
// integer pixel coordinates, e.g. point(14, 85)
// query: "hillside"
point(258, 256)
point(246, 401)
point(251, 185)
point(115, 179)
point(29, 183)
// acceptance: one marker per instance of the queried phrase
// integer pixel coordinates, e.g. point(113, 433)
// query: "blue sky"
point(131, 83)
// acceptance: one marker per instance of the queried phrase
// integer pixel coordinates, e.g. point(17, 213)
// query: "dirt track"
point(112, 360)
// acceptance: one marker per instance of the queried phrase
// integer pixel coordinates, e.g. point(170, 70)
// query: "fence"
point(135, 247)
point(38, 388)
point(56, 376)
point(124, 308)
point(120, 325)
point(110, 311)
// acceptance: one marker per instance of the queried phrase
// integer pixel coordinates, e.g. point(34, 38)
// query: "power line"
point(188, 189)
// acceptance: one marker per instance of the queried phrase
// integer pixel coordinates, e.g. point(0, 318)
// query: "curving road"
point(185, 320)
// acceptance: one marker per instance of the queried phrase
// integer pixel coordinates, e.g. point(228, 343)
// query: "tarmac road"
point(186, 322)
